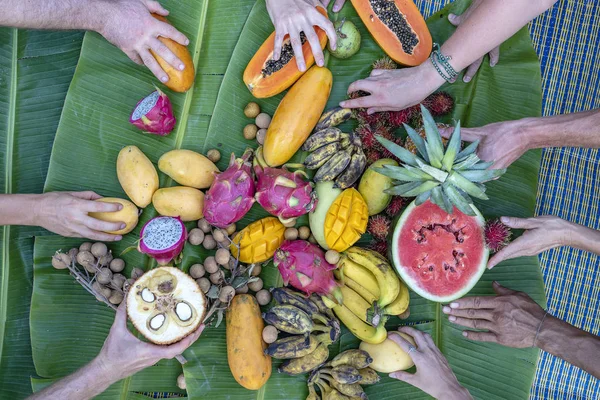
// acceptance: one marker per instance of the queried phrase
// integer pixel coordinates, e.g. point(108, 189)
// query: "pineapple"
point(447, 177)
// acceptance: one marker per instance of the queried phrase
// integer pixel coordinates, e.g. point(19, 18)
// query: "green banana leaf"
point(68, 326)
point(35, 70)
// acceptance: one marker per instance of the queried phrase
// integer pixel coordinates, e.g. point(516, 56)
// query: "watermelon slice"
point(440, 256)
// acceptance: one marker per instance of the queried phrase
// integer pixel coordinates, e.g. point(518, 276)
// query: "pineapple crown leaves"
point(448, 177)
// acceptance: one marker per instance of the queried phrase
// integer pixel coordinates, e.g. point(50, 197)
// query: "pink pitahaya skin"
point(231, 194)
point(283, 193)
point(303, 266)
point(154, 114)
point(161, 230)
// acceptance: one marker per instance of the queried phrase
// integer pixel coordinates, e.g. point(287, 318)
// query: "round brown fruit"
point(260, 136)
point(256, 270)
point(106, 259)
point(263, 297)
point(230, 229)
point(104, 276)
point(116, 297)
point(61, 260)
point(210, 264)
point(263, 120)
point(204, 225)
point(85, 246)
point(227, 293)
point(250, 131)
point(101, 290)
point(291, 234)
point(99, 249)
point(136, 273)
point(217, 277)
point(312, 239)
point(117, 265)
point(86, 259)
point(197, 271)
point(332, 257)
point(196, 237)
point(303, 232)
point(251, 110)
point(213, 155)
point(73, 253)
point(222, 256)
point(219, 235)
point(181, 382)
point(242, 289)
point(204, 284)
point(209, 242)
point(256, 285)
point(269, 334)
point(118, 280)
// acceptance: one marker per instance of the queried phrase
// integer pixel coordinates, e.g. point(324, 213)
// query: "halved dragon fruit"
point(162, 238)
point(154, 114)
point(303, 266)
point(231, 194)
point(283, 193)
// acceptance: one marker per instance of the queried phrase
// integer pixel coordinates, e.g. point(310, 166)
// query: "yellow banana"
point(360, 329)
point(399, 305)
point(360, 274)
point(355, 303)
point(364, 293)
point(388, 281)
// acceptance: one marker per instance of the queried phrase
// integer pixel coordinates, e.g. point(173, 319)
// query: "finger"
point(471, 323)
point(325, 3)
point(152, 65)
point(415, 333)
point(169, 31)
point(489, 302)
point(103, 226)
point(297, 46)
point(315, 46)
point(87, 195)
point(279, 35)
point(155, 7)
point(400, 341)
point(472, 70)
point(325, 24)
point(473, 313)
point(100, 206)
point(403, 376)
point(481, 336)
point(521, 223)
point(494, 56)
point(377, 72)
point(179, 347)
point(163, 51)
point(135, 57)
point(513, 250)
point(337, 6)
point(366, 85)
point(429, 340)
point(501, 290)
point(466, 134)
point(361, 102)
point(374, 110)
point(455, 19)
point(96, 235)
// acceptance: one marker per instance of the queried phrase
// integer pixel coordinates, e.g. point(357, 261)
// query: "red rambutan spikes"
point(395, 206)
point(379, 226)
point(497, 235)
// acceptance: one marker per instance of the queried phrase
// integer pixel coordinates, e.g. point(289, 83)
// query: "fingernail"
point(181, 67)
point(454, 305)
point(164, 79)
point(334, 46)
point(504, 220)
point(464, 333)
point(123, 226)
point(302, 67)
point(467, 79)
point(119, 207)
point(493, 64)
point(117, 238)
point(446, 309)
point(187, 41)
point(393, 375)
point(343, 104)
point(320, 63)
point(452, 318)
point(495, 283)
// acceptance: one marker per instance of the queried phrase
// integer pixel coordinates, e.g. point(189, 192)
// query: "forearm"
point(85, 383)
point(19, 209)
point(584, 238)
point(53, 14)
point(490, 24)
point(573, 345)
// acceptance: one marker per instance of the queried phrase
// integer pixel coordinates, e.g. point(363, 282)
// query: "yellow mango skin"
point(179, 201)
point(372, 184)
point(250, 367)
point(128, 215)
point(297, 115)
point(137, 175)
point(346, 220)
point(259, 240)
point(388, 356)
point(188, 168)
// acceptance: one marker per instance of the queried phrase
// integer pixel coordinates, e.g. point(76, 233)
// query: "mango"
point(388, 356)
point(128, 214)
point(372, 186)
point(179, 201)
point(326, 194)
point(137, 175)
point(188, 168)
point(258, 241)
point(346, 220)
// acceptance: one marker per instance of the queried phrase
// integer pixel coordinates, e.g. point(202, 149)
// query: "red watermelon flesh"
point(440, 256)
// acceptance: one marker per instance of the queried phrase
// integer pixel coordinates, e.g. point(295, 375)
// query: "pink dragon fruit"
point(303, 265)
point(231, 194)
point(283, 193)
point(154, 114)
point(162, 238)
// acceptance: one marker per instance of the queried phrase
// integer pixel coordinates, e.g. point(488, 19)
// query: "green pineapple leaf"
point(483, 165)
point(403, 155)
point(423, 197)
point(458, 199)
point(434, 145)
point(452, 149)
point(471, 188)
point(483, 175)
point(402, 189)
point(467, 163)
point(418, 141)
point(438, 174)
point(402, 174)
point(470, 149)
point(438, 198)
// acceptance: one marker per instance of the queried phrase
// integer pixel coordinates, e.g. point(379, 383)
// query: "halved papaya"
point(398, 27)
point(265, 77)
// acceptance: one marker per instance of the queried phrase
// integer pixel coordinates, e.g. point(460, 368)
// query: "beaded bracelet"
point(441, 62)
point(539, 329)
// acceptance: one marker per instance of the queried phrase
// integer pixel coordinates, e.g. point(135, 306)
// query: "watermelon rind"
point(414, 286)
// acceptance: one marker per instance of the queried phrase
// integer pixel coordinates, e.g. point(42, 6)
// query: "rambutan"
point(379, 226)
point(385, 63)
point(372, 156)
point(395, 206)
point(380, 246)
point(497, 235)
point(440, 103)
point(367, 137)
point(397, 118)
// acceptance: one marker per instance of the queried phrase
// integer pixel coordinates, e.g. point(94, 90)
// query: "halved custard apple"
point(165, 305)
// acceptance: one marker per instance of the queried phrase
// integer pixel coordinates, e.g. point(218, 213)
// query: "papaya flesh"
point(265, 77)
point(398, 27)
point(179, 81)
point(297, 115)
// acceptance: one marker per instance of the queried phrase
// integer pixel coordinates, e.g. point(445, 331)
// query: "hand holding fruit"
point(291, 17)
point(456, 20)
point(434, 376)
point(66, 213)
point(511, 318)
point(337, 6)
point(124, 354)
point(131, 27)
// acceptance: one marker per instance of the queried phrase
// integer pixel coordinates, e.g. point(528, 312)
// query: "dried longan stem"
point(86, 283)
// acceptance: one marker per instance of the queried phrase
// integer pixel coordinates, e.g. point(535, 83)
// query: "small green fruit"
point(348, 39)
point(372, 184)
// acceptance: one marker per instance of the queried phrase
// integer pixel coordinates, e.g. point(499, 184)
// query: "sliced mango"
point(346, 220)
point(258, 241)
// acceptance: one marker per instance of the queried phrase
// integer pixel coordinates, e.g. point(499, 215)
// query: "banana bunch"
point(372, 291)
point(342, 377)
point(311, 327)
point(337, 156)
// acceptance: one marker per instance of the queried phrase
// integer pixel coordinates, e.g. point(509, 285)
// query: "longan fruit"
point(251, 110)
point(222, 256)
point(260, 136)
point(303, 232)
point(263, 120)
point(263, 297)
point(213, 155)
point(209, 242)
point(250, 131)
point(210, 265)
point(196, 236)
point(256, 285)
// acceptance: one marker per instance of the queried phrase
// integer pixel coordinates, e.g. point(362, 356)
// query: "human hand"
point(123, 354)
point(131, 27)
point(456, 20)
point(394, 90)
point(434, 376)
point(542, 233)
point(290, 17)
point(337, 6)
point(511, 318)
point(66, 213)
point(500, 142)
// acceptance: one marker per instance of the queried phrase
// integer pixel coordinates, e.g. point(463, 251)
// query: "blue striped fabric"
point(566, 39)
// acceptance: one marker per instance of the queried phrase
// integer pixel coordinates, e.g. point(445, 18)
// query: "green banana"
point(322, 155)
point(323, 137)
point(289, 319)
point(292, 347)
point(323, 309)
point(357, 358)
point(312, 393)
point(344, 373)
point(353, 171)
point(368, 376)
point(334, 166)
point(333, 117)
point(297, 366)
point(283, 295)
point(352, 390)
